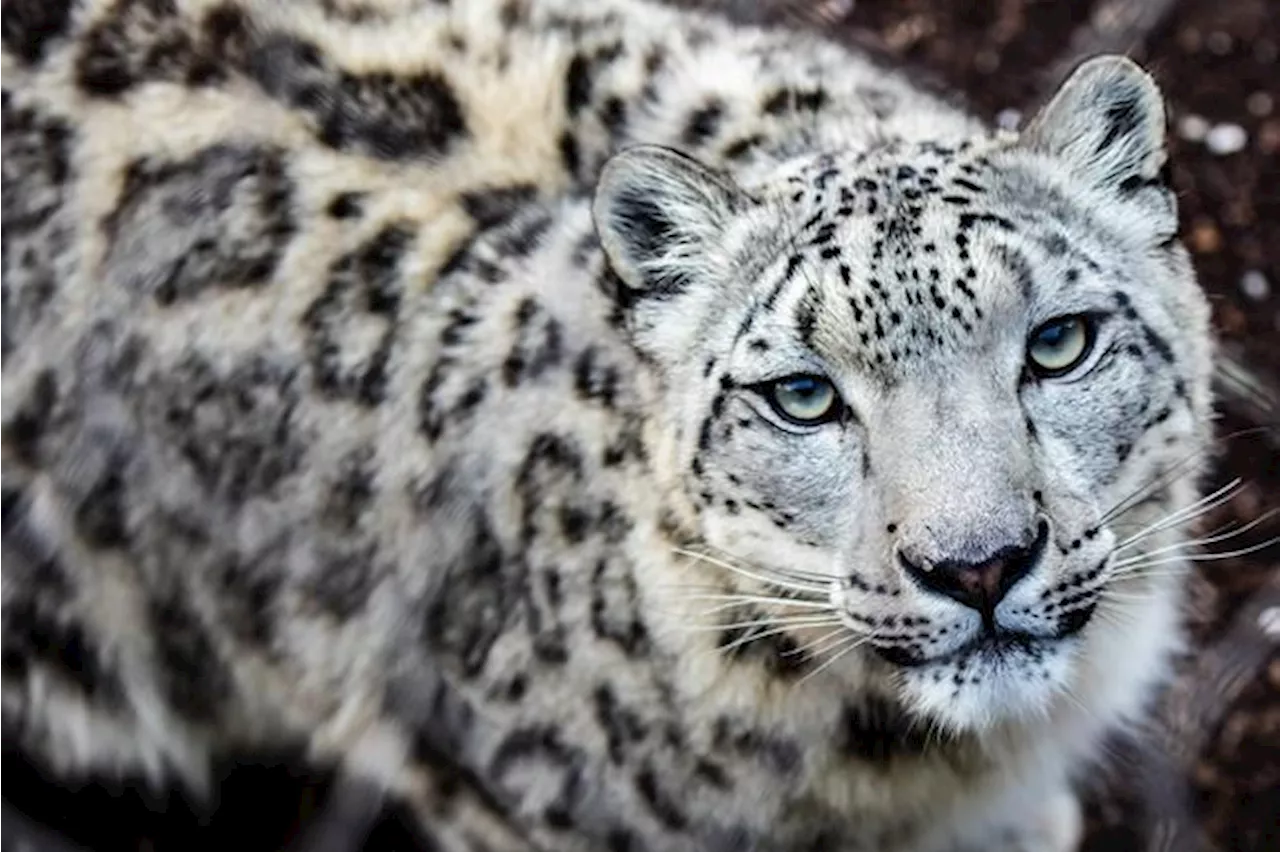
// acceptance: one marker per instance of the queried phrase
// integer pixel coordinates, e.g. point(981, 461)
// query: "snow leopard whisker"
point(849, 644)
point(818, 578)
point(1109, 610)
point(1223, 533)
point(825, 641)
point(1145, 491)
point(752, 637)
point(1178, 573)
point(759, 575)
point(756, 631)
point(1116, 595)
point(786, 621)
point(1161, 556)
point(737, 601)
point(1190, 512)
point(1172, 474)
point(1187, 514)
point(935, 733)
point(717, 587)
point(1140, 562)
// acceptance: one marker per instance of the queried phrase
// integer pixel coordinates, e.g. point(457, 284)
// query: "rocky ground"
point(1208, 776)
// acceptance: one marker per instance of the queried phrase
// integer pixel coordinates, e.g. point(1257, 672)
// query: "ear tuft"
point(1106, 123)
point(659, 213)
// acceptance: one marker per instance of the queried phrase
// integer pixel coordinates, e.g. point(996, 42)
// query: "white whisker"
point(738, 600)
point(1172, 474)
point(760, 578)
point(752, 637)
point(789, 573)
point(1141, 561)
point(1223, 533)
point(1143, 492)
point(1138, 574)
point(795, 621)
point(825, 641)
point(1114, 594)
point(705, 588)
point(1187, 514)
point(849, 644)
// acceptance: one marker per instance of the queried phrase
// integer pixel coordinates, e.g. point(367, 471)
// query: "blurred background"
point(1207, 773)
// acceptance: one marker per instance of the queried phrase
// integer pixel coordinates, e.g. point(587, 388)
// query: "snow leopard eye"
point(803, 400)
point(1059, 345)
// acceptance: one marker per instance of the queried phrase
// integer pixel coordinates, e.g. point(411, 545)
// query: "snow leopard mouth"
point(989, 646)
point(999, 646)
point(992, 645)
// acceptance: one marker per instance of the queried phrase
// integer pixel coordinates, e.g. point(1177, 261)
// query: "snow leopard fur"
point(409, 380)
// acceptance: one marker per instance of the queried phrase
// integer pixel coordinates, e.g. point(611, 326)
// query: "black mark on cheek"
point(1158, 344)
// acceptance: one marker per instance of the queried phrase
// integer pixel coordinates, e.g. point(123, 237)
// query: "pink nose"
point(980, 585)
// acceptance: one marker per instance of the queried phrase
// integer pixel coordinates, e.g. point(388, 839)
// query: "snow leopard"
point(599, 426)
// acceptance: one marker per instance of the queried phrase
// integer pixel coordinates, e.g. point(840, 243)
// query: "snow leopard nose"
point(983, 584)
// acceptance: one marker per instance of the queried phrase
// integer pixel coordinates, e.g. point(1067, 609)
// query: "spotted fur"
point(386, 376)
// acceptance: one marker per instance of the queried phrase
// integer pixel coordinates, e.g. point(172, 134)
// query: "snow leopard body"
point(399, 379)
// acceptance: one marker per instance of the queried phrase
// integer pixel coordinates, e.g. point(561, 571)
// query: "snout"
point(982, 583)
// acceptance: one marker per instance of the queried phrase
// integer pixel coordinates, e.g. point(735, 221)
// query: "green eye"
point(803, 400)
point(1060, 345)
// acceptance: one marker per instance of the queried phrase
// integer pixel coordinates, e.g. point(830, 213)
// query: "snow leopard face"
point(915, 390)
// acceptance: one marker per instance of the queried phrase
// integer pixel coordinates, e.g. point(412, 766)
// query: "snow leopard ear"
point(659, 214)
point(1107, 124)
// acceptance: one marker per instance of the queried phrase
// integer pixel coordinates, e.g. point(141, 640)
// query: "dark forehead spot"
point(1018, 265)
point(970, 220)
point(1055, 245)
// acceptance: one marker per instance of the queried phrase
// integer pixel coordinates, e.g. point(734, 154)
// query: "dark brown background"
point(1208, 774)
